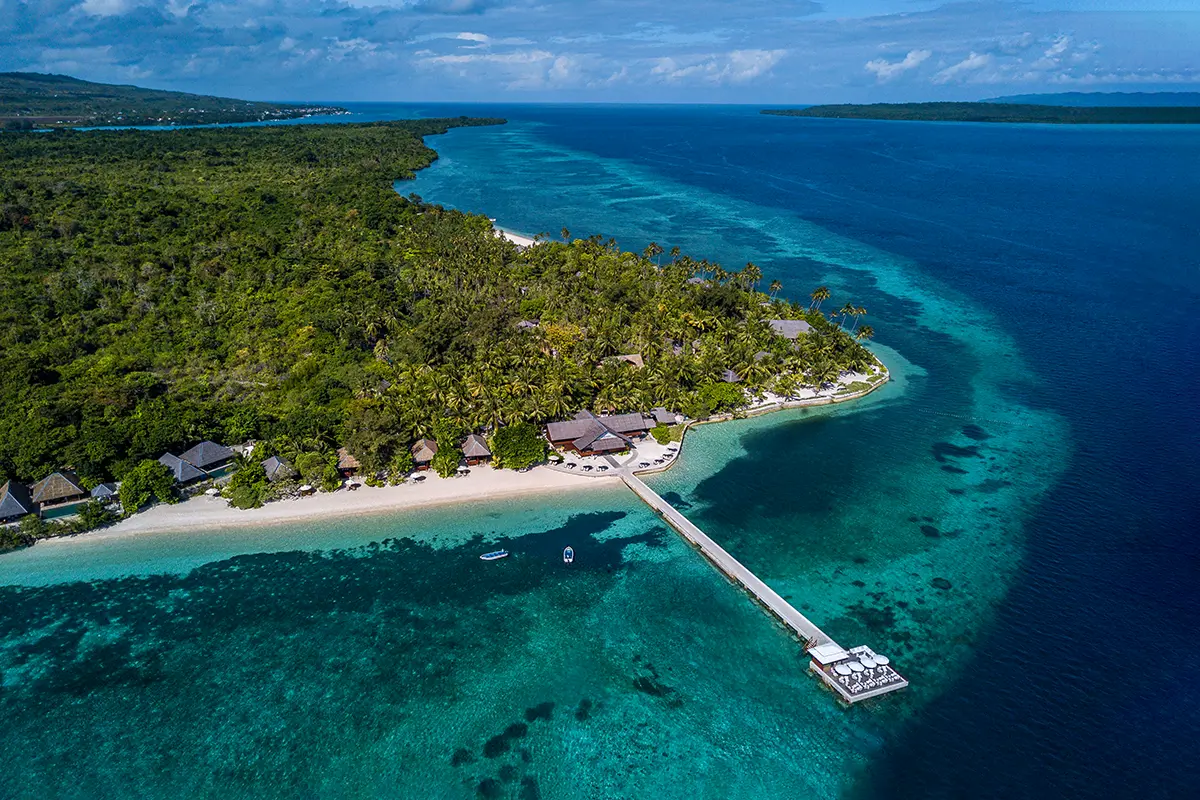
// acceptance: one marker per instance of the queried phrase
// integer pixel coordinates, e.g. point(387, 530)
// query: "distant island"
point(31, 100)
point(1002, 112)
point(1103, 99)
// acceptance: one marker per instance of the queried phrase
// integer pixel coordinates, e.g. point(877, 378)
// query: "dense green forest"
point(31, 99)
point(1002, 112)
point(159, 288)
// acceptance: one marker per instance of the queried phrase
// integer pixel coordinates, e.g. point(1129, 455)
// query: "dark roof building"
point(789, 328)
point(663, 417)
point(208, 455)
point(14, 501)
point(183, 471)
point(588, 433)
point(277, 469)
point(58, 487)
point(105, 492)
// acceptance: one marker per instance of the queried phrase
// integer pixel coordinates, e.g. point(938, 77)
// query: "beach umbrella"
point(463, 470)
point(555, 457)
point(213, 492)
point(306, 488)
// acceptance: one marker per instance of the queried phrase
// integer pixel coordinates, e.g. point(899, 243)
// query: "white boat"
point(568, 555)
point(495, 555)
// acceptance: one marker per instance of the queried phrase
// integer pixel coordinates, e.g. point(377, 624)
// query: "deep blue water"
point(1035, 290)
point(1082, 245)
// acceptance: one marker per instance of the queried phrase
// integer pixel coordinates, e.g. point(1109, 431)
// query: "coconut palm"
point(847, 310)
point(865, 332)
point(819, 295)
point(776, 288)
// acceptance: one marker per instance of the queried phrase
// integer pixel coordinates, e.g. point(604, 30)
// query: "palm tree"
point(865, 332)
point(752, 275)
point(566, 234)
point(847, 310)
point(653, 250)
point(819, 295)
point(776, 288)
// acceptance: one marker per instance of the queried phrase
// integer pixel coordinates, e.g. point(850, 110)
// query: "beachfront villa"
point(278, 469)
point(58, 492)
point(215, 459)
point(347, 464)
point(423, 452)
point(588, 434)
point(15, 502)
point(475, 450)
point(105, 493)
point(184, 472)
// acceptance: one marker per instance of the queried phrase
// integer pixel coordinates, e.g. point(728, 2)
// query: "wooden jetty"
point(854, 674)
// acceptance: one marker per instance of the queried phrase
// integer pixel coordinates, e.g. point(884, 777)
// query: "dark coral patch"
point(461, 756)
point(540, 711)
point(496, 746)
point(930, 531)
point(940, 583)
point(953, 470)
point(529, 789)
point(975, 432)
point(489, 787)
point(944, 450)
point(584, 710)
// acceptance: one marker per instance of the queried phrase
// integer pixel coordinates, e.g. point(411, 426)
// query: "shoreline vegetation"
point(267, 288)
point(36, 101)
point(1001, 113)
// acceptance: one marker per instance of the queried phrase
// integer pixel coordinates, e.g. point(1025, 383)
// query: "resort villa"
point(347, 464)
point(15, 502)
point(278, 469)
point(475, 450)
point(58, 494)
point(423, 452)
point(206, 460)
point(588, 434)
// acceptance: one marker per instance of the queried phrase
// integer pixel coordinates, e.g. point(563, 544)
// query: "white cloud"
point(106, 8)
point(886, 71)
point(736, 66)
point(971, 64)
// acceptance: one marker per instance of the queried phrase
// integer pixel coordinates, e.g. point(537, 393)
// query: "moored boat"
point(568, 555)
point(495, 555)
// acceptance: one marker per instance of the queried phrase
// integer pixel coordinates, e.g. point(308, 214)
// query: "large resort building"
point(588, 434)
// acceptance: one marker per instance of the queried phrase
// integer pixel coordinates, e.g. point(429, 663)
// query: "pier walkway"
point(854, 675)
point(805, 628)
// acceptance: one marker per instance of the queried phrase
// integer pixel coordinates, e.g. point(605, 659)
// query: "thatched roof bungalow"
point(346, 463)
point(789, 328)
point(475, 450)
point(423, 452)
point(58, 488)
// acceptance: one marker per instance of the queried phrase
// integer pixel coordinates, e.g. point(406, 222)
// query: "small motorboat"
point(495, 555)
point(568, 555)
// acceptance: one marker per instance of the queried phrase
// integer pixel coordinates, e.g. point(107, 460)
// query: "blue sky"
point(752, 51)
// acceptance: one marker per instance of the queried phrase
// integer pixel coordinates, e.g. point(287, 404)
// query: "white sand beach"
point(516, 238)
point(483, 483)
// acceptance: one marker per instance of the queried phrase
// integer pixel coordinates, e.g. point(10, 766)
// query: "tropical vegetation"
point(160, 288)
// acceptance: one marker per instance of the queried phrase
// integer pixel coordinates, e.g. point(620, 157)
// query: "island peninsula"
point(256, 312)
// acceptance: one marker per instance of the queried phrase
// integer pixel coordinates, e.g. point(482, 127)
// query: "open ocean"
point(1014, 520)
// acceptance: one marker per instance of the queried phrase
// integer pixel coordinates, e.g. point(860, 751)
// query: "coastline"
point(214, 513)
point(518, 239)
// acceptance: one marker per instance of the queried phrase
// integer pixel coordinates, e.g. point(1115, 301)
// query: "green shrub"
point(518, 446)
point(148, 480)
point(661, 433)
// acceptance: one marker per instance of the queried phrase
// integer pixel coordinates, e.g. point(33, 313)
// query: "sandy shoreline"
point(516, 238)
point(208, 513)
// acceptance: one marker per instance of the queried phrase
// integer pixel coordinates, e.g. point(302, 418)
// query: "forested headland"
point(33, 100)
point(1002, 112)
point(161, 288)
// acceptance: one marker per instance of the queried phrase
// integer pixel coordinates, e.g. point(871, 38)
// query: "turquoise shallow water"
point(407, 666)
